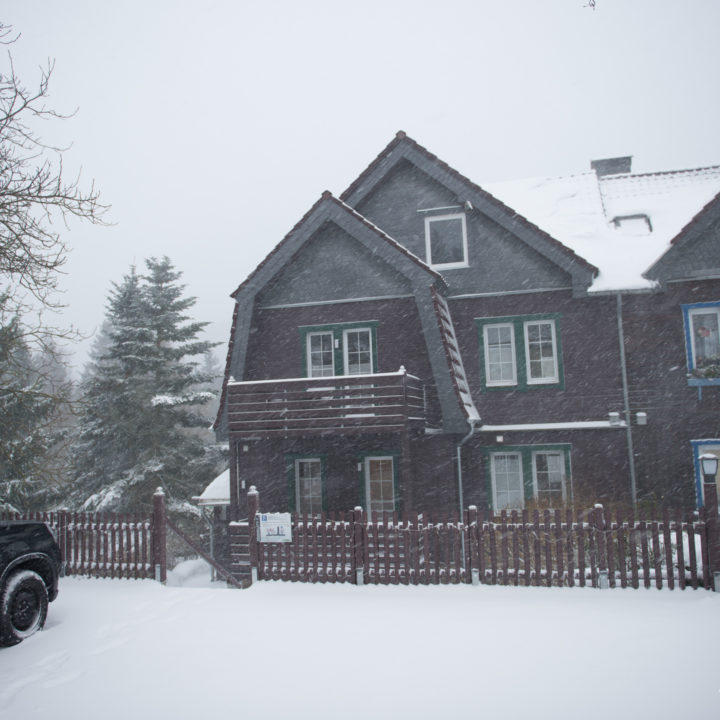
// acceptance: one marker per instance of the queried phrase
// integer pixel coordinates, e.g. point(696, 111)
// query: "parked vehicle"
point(30, 565)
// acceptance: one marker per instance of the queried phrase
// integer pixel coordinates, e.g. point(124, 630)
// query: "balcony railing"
point(327, 405)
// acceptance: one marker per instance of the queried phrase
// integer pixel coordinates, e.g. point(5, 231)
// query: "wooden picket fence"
point(548, 548)
point(99, 544)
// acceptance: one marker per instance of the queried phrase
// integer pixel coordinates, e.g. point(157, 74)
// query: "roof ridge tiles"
point(656, 173)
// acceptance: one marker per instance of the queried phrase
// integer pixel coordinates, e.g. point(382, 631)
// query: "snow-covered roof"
point(217, 492)
point(620, 223)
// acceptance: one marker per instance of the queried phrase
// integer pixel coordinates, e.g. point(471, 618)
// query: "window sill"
point(703, 382)
point(523, 387)
point(450, 266)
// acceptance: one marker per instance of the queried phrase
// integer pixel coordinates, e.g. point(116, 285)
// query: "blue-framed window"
point(702, 342)
point(700, 447)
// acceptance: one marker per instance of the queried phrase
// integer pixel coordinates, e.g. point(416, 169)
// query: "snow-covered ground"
point(135, 649)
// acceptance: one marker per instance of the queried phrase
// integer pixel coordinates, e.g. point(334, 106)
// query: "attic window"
point(633, 224)
point(446, 241)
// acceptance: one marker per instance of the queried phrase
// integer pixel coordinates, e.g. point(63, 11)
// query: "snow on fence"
point(549, 548)
point(99, 544)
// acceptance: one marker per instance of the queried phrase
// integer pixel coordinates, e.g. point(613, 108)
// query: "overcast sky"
point(212, 126)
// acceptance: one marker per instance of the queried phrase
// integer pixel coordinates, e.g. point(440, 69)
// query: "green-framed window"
point(307, 491)
point(339, 349)
point(520, 473)
point(379, 488)
point(520, 352)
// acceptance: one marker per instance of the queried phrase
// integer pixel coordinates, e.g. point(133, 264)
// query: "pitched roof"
point(405, 147)
point(700, 225)
point(621, 223)
point(328, 197)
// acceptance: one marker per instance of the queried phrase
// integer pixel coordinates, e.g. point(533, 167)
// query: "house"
point(422, 343)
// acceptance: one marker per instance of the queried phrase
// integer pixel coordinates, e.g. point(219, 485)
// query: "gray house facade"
point(418, 344)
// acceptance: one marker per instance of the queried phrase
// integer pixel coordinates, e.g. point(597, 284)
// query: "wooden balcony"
point(386, 402)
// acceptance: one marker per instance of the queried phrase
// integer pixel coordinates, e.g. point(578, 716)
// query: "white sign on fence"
point(273, 527)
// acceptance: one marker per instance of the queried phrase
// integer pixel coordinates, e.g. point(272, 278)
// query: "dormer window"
point(633, 224)
point(446, 241)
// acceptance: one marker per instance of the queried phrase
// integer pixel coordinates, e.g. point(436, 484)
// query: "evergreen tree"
point(33, 392)
point(142, 423)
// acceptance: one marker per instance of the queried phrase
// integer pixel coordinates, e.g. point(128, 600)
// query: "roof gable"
point(329, 209)
point(694, 252)
point(461, 193)
point(331, 266)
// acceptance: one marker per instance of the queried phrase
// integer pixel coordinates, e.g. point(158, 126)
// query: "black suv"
point(30, 565)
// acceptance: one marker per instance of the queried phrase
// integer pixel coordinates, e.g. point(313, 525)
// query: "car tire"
point(23, 607)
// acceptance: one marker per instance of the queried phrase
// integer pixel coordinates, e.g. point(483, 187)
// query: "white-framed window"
point(320, 354)
point(380, 483)
point(500, 361)
point(446, 241)
point(507, 481)
point(521, 351)
point(308, 485)
point(702, 328)
point(520, 473)
point(358, 351)
point(339, 349)
point(549, 477)
point(540, 352)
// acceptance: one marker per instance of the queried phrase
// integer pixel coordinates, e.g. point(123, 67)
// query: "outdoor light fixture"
point(709, 466)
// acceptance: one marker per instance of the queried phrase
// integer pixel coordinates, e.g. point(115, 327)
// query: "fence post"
point(159, 533)
point(712, 532)
point(358, 545)
point(471, 532)
point(601, 544)
point(253, 504)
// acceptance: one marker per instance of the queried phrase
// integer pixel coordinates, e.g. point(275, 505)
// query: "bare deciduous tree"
point(34, 194)
point(35, 199)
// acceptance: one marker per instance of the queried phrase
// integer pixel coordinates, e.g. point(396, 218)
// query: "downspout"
point(473, 422)
point(626, 402)
point(211, 528)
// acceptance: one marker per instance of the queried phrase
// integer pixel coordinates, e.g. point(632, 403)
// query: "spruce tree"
point(111, 401)
point(142, 423)
point(33, 392)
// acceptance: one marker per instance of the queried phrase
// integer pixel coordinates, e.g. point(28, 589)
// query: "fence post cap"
point(598, 506)
point(159, 491)
point(358, 508)
point(253, 490)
